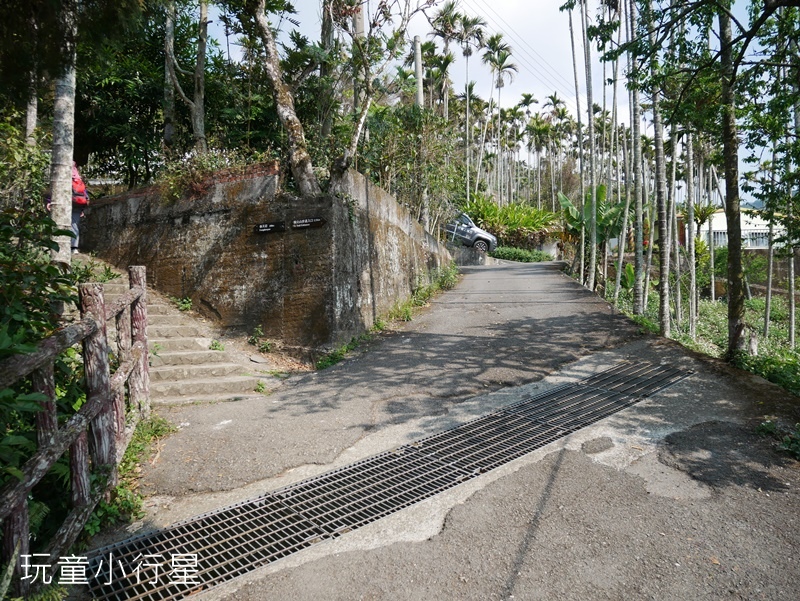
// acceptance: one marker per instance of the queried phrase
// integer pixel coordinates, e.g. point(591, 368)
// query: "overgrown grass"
point(441, 279)
point(521, 255)
point(337, 355)
point(191, 176)
point(126, 501)
point(788, 440)
point(775, 361)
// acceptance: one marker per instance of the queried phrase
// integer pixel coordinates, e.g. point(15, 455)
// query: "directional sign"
point(270, 228)
point(308, 222)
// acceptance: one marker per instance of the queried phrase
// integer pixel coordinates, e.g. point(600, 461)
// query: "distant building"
point(755, 229)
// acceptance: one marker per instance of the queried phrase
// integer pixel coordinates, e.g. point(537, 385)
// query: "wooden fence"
point(97, 435)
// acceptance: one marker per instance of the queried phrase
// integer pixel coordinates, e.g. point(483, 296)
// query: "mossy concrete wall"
point(312, 284)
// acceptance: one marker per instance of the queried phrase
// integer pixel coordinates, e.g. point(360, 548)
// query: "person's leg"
point(76, 225)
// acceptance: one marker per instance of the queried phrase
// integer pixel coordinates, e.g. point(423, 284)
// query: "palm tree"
point(590, 121)
point(439, 78)
point(445, 25)
point(469, 33)
point(526, 102)
point(570, 7)
point(498, 57)
point(538, 135)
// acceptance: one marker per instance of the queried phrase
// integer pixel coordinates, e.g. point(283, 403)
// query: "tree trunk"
point(197, 104)
point(326, 69)
point(712, 266)
point(169, 88)
point(468, 131)
point(770, 265)
point(623, 238)
point(582, 247)
point(661, 203)
point(674, 225)
point(730, 153)
point(789, 220)
point(299, 159)
point(592, 183)
point(690, 239)
point(64, 138)
point(648, 264)
point(32, 110)
point(198, 107)
point(638, 252)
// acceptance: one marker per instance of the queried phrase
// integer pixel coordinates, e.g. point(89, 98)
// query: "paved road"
point(675, 498)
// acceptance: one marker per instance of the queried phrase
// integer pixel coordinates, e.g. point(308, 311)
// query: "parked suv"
point(463, 229)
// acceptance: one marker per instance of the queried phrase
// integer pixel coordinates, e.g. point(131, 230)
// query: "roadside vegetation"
point(520, 254)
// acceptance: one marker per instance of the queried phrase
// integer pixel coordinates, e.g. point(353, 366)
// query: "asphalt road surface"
point(674, 498)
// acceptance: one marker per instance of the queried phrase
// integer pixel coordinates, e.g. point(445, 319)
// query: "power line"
point(534, 66)
point(508, 27)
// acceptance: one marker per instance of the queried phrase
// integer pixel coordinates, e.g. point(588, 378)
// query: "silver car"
point(465, 230)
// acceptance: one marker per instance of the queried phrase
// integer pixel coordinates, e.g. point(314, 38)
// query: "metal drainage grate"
point(199, 553)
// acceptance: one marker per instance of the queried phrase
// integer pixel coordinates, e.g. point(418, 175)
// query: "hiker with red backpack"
point(80, 200)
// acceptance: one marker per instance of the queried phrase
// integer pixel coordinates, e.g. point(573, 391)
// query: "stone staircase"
point(183, 367)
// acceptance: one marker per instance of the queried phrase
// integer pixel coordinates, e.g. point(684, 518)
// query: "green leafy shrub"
point(183, 304)
point(264, 346)
point(516, 225)
point(216, 345)
point(520, 254)
point(779, 366)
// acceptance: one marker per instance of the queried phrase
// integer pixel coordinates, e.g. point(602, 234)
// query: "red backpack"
point(79, 195)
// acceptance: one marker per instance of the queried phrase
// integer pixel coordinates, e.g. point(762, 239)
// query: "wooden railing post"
point(16, 531)
point(47, 419)
point(123, 324)
point(98, 385)
point(81, 491)
point(139, 382)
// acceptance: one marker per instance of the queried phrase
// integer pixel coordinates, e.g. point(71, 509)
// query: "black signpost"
point(270, 228)
point(308, 222)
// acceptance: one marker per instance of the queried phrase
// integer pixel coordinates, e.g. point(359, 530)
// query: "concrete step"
point(156, 319)
point(203, 357)
point(179, 344)
point(178, 373)
point(175, 331)
point(159, 309)
point(204, 398)
point(116, 287)
point(205, 386)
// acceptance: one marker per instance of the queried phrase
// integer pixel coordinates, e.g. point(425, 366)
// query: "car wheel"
point(481, 246)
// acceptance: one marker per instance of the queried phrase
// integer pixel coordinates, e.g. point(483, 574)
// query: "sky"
point(537, 32)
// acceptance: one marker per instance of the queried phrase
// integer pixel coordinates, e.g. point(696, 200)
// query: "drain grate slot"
point(636, 379)
point(225, 545)
point(369, 490)
point(236, 539)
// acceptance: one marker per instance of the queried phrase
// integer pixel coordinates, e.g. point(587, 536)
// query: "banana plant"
point(609, 216)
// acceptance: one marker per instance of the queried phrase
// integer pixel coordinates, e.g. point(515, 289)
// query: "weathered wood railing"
point(97, 435)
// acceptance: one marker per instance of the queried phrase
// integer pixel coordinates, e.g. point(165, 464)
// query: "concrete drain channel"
point(196, 554)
